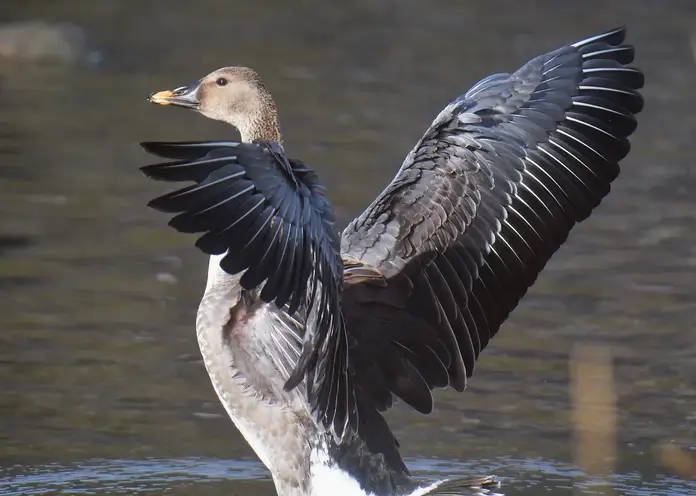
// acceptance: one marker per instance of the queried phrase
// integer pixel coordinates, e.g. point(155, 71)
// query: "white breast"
point(214, 270)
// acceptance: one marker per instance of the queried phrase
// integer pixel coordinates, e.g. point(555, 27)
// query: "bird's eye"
point(221, 82)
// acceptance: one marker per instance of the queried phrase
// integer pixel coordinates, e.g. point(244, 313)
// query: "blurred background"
point(101, 386)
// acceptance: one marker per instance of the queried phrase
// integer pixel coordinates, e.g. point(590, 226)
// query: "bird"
point(308, 333)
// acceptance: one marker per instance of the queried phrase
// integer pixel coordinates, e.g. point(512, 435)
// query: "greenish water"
point(101, 387)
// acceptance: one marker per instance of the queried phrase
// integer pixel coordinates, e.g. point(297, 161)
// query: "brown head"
point(232, 94)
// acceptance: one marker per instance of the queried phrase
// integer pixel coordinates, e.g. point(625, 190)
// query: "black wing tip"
point(153, 171)
point(607, 48)
point(185, 149)
point(614, 36)
point(158, 148)
point(164, 204)
point(147, 145)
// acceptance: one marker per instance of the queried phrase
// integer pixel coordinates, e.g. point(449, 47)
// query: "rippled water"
point(214, 476)
point(101, 387)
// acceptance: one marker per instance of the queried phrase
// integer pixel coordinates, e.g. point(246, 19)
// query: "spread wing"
point(268, 214)
point(443, 255)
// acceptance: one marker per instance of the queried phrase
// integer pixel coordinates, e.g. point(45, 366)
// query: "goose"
point(309, 335)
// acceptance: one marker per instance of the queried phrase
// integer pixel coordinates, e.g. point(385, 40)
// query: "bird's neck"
point(262, 124)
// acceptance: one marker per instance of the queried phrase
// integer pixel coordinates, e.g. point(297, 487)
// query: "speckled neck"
point(263, 123)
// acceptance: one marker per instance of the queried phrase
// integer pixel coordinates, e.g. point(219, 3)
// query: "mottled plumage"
point(417, 284)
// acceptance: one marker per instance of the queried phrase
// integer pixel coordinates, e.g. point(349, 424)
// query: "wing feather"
point(264, 211)
point(479, 206)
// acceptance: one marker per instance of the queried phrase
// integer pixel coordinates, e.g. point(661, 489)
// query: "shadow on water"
point(101, 386)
